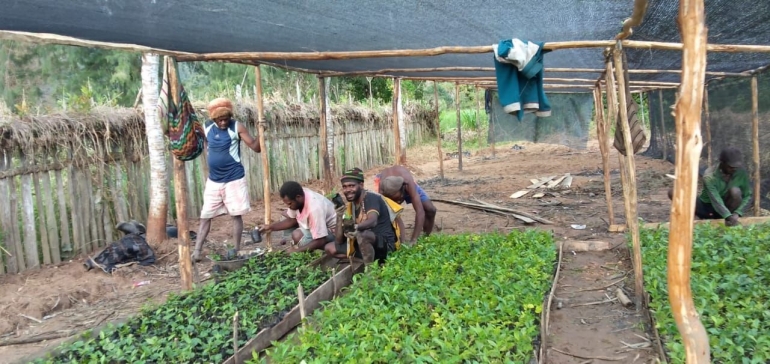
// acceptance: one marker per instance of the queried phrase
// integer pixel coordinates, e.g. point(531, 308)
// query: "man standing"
point(398, 185)
point(226, 191)
point(311, 213)
point(726, 189)
point(372, 231)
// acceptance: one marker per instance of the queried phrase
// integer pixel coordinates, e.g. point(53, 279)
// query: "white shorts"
point(225, 198)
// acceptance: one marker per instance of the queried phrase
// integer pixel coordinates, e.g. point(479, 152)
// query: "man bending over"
point(726, 189)
point(311, 213)
point(397, 184)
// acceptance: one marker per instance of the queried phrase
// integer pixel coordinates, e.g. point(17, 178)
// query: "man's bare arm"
point(419, 211)
point(250, 141)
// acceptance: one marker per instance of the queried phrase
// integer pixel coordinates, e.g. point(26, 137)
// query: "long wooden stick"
point(503, 209)
point(322, 132)
point(755, 139)
point(601, 134)
point(388, 71)
point(688, 147)
point(180, 193)
point(262, 127)
point(630, 167)
point(707, 122)
point(396, 126)
point(438, 131)
point(459, 129)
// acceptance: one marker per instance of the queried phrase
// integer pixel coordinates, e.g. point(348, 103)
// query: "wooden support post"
point(180, 195)
point(322, 132)
point(755, 139)
point(688, 141)
point(261, 127)
point(396, 125)
point(629, 189)
point(708, 121)
point(601, 134)
point(663, 138)
point(478, 111)
point(438, 131)
point(459, 129)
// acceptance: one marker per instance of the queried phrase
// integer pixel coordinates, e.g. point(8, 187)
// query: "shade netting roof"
point(207, 26)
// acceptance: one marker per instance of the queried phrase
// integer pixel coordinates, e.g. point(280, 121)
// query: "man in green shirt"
point(726, 189)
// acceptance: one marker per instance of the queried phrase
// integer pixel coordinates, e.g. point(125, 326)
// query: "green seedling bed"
point(197, 327)
point(448, 299)
point(730, 280)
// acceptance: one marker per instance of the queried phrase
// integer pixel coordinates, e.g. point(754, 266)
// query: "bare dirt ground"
point(64, 299)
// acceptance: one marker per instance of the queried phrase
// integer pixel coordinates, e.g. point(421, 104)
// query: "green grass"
point(730, 279)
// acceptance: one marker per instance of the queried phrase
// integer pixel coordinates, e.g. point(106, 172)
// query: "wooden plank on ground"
point(567, 182)
point(50, 217)
point(501, 209)
point(64, 226)
point(743, 221)
point(265, 338)
point(541, 182)
point(556, 182)
point(521, 193)
point(617, 228)
point(42, 231)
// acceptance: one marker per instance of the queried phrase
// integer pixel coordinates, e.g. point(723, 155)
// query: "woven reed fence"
point(67, 180)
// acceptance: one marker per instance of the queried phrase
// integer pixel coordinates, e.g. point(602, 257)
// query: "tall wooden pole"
point(688, 149)
point(323, 134)
point(261, 126)
point(396, 126)
point(755, 139)
point(708, 121)
point(459, 129)
point(180, 194)
point(601, 135)
point(438, 131)
point(629, 189)
point(663, 137)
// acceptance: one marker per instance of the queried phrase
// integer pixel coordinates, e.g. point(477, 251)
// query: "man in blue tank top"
point(226, 191)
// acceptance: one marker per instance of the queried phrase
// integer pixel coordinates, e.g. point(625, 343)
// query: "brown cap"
point(732, 157)
point(391, 185)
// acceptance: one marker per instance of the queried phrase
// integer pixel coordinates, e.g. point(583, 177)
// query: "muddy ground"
point(64, 299)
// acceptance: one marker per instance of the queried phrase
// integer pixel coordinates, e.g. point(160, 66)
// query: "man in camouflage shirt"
point(726, 189)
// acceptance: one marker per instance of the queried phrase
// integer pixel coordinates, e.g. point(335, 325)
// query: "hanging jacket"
point(519, 73)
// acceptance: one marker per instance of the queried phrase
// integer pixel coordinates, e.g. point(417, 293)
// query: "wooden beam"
point(602, 134)
point(755, 140)
point(396, 126)
point(692, 26)
point(323, 135)
point(438, 131)
point(629, 189)
point(387, 72)
point(459, 129)
point(744, 221)
point(262, 129)
point(180, 193)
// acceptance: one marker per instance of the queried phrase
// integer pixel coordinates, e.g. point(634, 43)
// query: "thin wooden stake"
point(629, 190)
point(688, 141)
point(180, 195)
point(663, 138)
point(261, 126)
point(459, 129)
point(235, 335)
point(755, 140)
point(301, 299)
point(322, 132)
point(601, 134)
point(396, 128)
point(707, 123)
point(438, 131)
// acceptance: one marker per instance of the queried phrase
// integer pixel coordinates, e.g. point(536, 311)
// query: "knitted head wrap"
point(355, 174)
point(220, 107)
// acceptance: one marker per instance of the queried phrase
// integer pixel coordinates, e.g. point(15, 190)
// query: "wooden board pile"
point(488, 207)
point(545, 185)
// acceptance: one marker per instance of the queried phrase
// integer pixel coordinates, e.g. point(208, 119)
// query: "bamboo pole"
point(438, 131)
point(459, 129)
point(629, 190)
point(708, 121)
point(663, 138)
point(322, 132)
point(755, 139)
point(388, 71)
point(688, 141)
point(601, 134)
point(180, 195)
point(261, 127)
point(396, 126)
